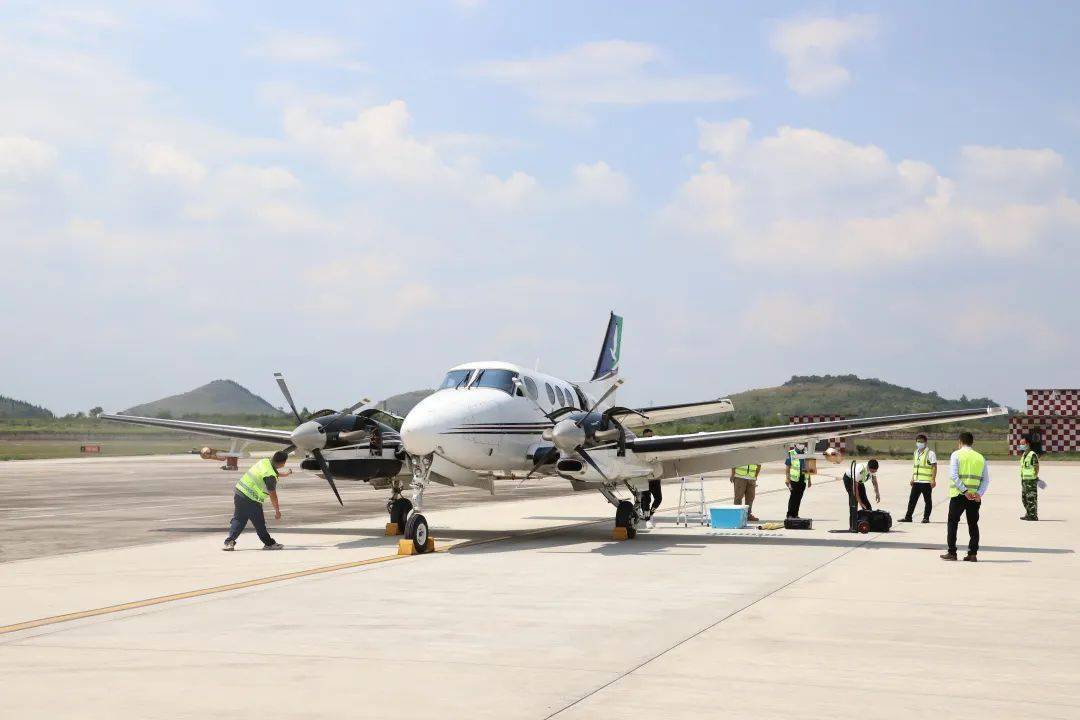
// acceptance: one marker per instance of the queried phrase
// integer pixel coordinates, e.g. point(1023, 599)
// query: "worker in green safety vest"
point(969, 479)
point(1029, 479)
point(797, 480)
point(256, 485)
point(923, 479)
point(744, 479)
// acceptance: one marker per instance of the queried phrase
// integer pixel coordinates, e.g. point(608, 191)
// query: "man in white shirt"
point(855, 481)
point(923, 479)
point(969, 479)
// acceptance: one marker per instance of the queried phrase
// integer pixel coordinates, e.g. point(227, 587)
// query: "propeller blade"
point(363, 401)
point(326, 474)
point(580, 450)
point(614, 386)
point(288, 395)
point(549, 456)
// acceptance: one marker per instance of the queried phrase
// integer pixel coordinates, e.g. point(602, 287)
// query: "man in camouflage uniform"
point(1029, 479)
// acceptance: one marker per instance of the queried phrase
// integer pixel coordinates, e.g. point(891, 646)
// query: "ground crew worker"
point(797, 481)
point(744, 478)
point(855, 482)
point(257, 484)
point(656, 493)
point(923, 479)
point(969, 479)
point(1029, 479)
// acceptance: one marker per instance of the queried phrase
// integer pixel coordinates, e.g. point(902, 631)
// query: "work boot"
point(970, 557)
point(751, 518)
point(230, 545)
point(1033, 519)
point(949, 556)
point(925, 521)
point(274, 546)
point(905, 519)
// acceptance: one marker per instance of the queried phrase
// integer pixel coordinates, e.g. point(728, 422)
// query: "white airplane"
point(493, 420)
point(498, 419)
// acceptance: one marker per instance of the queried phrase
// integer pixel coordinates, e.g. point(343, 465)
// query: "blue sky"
point(361, 195)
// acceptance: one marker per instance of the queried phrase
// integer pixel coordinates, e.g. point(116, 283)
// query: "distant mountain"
point(220, 397)
point(847, 395)
point(402, 403)
point(12, 408)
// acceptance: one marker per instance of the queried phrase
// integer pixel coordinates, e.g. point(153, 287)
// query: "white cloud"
point(302, 48)
point(805, 196)
point(810, 48)
point(723, 138)
point(612, 72)
point(377, 144)
point(599, 183)
point(22, 158)
point(165, 161)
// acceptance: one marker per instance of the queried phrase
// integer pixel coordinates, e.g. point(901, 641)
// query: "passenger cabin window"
point(455, 379)
point(570, 399)
point(530, 385)
point(551, 394)
point(559, 394)
point(498, 379)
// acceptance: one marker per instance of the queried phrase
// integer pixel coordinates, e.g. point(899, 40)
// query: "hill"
point(12, 408)
point(847, 395)
point(219, 398)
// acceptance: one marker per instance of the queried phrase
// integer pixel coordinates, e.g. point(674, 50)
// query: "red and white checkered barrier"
point(835, 443)
point(1043, 403)
point(1054, 414)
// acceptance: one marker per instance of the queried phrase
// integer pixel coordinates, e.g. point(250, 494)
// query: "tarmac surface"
point(531, 610)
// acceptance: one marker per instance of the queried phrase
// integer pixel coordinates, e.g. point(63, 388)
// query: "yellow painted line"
point(134, 605)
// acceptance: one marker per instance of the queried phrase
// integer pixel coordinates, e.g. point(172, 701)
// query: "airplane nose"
point(419, 433)
point(308, 436)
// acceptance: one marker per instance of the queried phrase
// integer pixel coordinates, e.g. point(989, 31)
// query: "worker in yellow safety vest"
point(256, 485)
point(1029, 479)
point(797, 480)
point(923, 479)
point(969, 479)
point(744, 478)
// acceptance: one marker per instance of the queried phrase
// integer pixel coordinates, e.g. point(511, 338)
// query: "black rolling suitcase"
point(798, 524)
point(874, 521)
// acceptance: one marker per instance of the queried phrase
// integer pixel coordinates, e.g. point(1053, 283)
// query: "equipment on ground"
point(873, 521)
point(691, 502)
point(798, 524)
point(727, 517)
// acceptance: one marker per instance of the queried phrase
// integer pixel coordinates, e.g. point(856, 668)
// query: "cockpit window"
point(498, 379)
point(455, 379)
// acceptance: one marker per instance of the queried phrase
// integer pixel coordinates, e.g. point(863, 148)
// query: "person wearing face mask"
point(1029, 479)
point(923, 479)
point(797, 480)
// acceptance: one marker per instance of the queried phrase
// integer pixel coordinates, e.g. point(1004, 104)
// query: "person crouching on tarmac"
point(860, 473)
point(257, 484)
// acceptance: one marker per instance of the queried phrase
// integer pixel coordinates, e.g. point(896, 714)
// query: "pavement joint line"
point(705, 629)
point(244, 584)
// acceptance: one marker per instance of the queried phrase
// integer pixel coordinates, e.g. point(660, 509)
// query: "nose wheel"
point(416, 531)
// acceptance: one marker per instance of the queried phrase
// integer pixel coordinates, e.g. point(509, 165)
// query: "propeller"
point(307, 433)
point(547, 457)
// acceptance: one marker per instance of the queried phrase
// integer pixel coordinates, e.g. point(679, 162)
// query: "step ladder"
point(692, 502)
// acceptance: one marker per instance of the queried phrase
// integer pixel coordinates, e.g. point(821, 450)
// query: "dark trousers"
point(958, 506)
point(245, 509)
point(919, 489)
point(795, 499)
point(657, 495)
point(864, 501)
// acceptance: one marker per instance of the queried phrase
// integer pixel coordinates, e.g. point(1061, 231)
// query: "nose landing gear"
point(417, 540)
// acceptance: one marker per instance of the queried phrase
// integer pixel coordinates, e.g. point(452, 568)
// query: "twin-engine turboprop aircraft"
point(498, 419)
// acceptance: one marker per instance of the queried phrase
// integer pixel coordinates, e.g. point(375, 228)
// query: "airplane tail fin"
point(607, 364)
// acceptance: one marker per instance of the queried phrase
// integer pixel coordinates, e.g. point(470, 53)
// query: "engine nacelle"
point(615, 468)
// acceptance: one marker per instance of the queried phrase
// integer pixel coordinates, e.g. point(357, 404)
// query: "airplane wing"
point(279, 437)
point(667, 413)
point(673, 447)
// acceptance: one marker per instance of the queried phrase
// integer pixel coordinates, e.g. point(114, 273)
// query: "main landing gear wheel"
point(416, 529)
point(626, 517)
point(399, 511)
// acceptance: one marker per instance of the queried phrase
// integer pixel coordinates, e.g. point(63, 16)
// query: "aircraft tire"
point(399, 511)
point(625, 517)
point(416, 529)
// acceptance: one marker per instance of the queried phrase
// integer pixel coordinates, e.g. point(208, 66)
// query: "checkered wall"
point(835, 443)
point(1046, 402)
point(1055, 413)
